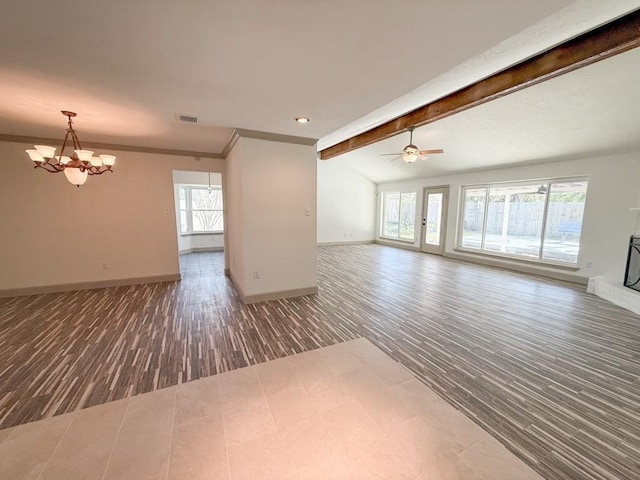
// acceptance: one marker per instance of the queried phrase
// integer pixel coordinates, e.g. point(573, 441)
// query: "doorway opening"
point(199, 210)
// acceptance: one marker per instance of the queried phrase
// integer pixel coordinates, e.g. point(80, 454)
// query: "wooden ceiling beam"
point(603, 42)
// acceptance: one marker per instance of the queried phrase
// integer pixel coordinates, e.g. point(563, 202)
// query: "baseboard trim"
point(201, 249)
point(266, 297)
point(522, 268)
point(354, 242)
point(406, 246)
point(70, 287)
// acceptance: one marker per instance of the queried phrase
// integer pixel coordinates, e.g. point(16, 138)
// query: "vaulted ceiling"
point(127, 68)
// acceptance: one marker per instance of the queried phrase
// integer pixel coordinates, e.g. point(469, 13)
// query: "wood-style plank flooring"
point(550, 371)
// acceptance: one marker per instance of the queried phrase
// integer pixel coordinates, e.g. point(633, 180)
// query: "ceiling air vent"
point(188, 119)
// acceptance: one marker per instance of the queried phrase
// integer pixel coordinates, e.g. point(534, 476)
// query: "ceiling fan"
point(410, 153)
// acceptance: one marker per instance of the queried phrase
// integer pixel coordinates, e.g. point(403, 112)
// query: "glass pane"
point(391, 211)
point(473, 217)
point(407, 215)
point(203, 220)
point(434, 219)
point(184, 226)
point(201, 199)
point(218, 220)
point(564, 221)
point(217, 199)
point(182, 195)
point(514, 219)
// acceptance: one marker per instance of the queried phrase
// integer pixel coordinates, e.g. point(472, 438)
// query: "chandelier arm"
point(50, 167)
point(98, 170)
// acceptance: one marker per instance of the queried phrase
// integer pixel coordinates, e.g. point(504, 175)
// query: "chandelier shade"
point(76, 176)
point(77, 166)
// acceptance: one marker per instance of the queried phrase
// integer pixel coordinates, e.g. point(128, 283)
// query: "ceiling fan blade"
point(383, 154)
point(430, 152)
point(394, 159)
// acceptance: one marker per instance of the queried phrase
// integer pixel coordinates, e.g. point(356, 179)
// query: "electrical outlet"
point(105, 266)
point(256, 274)
point(589, 264)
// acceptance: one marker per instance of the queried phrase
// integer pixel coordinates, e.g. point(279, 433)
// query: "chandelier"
point(78, 165)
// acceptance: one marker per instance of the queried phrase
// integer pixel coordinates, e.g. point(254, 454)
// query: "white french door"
point(434, 219)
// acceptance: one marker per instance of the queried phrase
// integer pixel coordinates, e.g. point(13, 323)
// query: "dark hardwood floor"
point(550, 371)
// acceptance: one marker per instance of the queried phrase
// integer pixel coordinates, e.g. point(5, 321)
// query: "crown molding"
point(113, 146)
point(235, 135)
point(275, 137)
point(230, 143)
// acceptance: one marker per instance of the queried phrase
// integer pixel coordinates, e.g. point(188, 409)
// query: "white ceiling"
point(128, 67)
point(590, 111)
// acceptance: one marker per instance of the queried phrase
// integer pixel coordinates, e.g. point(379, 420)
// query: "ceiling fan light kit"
point(410, 153)
point(77, 166)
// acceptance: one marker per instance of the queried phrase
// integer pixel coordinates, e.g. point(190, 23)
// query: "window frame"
point(189, 209)
point(515, 183)
point(383, 210)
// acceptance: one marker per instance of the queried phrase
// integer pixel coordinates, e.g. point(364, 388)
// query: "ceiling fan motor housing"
point(410, 149)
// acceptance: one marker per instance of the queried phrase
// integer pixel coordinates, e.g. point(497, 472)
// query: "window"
point(200, 209)
point(540, 221)
point(398, 215)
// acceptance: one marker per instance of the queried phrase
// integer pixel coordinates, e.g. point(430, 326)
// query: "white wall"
point(199, 241)
point(234, 222)
point(52, 233)
point(607, 223)
point(269, 185)
point(346, 204)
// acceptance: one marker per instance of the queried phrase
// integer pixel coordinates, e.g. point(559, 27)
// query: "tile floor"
point(347, 411)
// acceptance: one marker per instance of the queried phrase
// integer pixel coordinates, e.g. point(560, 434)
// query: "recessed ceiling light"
point(302, 120)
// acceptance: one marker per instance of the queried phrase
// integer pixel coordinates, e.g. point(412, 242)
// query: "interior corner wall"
point(270, 187)
point(346, 204)
point(55, 234)
point(607, 222)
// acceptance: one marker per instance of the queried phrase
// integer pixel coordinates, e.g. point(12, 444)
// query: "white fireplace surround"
point(614, 291)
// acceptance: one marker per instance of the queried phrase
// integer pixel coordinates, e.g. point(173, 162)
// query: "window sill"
point(217, 232)
point(401, 240)
point(533, 261)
